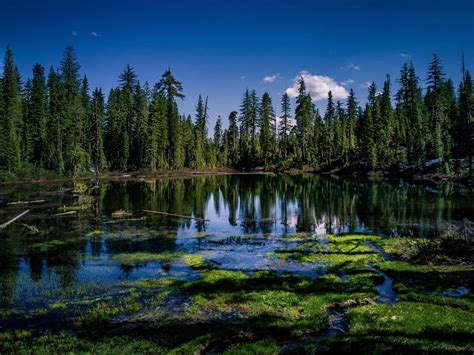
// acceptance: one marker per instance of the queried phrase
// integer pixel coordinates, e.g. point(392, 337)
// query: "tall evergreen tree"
point(351, 118)
point(74, 119)
point(11, 116)
point(233, 140)
point(329, 118)
point(54, 129)
point(304, 118)
point(285, 123)
point(267, 128)
point(37, 111)
point(96, 130)
point(172, 89)
point(437, 109)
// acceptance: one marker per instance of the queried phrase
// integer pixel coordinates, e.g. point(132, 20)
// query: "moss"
point(195, 261)
point(58, 306)
point(195, 346)
point(100, 314)
point(95, 233)
point(262, 347)
point(428, 278)
point(143, 257)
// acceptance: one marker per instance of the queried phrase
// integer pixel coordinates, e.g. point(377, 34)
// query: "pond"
point(237, 222)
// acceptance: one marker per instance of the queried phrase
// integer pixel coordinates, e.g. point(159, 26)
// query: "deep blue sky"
point(220, 47)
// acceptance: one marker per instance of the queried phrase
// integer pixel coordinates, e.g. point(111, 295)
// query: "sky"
point(219, 48)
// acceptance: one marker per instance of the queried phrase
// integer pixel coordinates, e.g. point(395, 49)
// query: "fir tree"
point(285, 123)
point(12, 116)
point(172, 89)
point(38, 112)
point(267, 123)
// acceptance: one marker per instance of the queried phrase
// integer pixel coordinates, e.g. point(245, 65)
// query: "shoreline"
point(186, 173)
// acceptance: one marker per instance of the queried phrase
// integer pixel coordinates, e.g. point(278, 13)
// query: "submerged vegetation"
point(250, 275)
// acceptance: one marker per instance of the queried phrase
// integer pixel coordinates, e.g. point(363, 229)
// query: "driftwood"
point(13, 219)
point(176, 215)
point(121, 214)
point(25, 202)
point(64, 213)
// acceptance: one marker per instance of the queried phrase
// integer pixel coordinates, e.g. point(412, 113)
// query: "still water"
point(244, 219)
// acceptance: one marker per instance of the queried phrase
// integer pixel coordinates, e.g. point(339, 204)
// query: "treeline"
point(54, 122)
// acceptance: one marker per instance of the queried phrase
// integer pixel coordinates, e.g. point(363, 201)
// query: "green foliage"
point(60, 126)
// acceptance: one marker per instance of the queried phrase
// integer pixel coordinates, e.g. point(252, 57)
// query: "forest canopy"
point(54, 121)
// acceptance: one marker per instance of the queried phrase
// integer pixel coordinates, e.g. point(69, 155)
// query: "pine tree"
point(158, 132)
point(385, 126)
point(436, 107)
point(37, 111)
point(373, 127)
point(172, 89)
point(75, 157)
point(26, 126)
point(351, 118)
point(96, 131)
point(217, 139)
point(249, 146)
point(54, 128)
point(285, 123)
point(267, 124)
point(304, 118)
point(411, 115)
point(329, 118)
point(466, 119)
point(140, 130)
point(233, 140)
point(128, 80)
point(200, 133)
point(12, 116)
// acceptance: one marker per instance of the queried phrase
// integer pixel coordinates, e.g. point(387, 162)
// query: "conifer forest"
point(54, 121)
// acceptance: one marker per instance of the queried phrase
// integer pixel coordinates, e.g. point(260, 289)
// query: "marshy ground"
point(90, 283)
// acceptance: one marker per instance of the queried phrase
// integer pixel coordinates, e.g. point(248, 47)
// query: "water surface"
point(249, 218)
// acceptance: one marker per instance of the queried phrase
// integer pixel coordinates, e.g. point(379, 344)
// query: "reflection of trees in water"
point(252, 202)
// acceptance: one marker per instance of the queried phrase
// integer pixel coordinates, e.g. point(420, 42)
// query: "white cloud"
point(347, 82)
point(351, 66)
point(95, 34)
point(74, 33)
point(271, 78)
point(404, 55)
point(291, 123)
point(318, 87)
point(243, 77)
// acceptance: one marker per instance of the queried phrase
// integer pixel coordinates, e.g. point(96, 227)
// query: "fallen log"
point(121, 214)
point(2, 226)
point(176, 215)
point(25, 202)
point(64, 213)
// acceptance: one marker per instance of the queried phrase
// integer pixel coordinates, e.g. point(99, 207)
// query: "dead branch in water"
point(25, 202)
point(64, 213)
point(176, 215)
point(2, 226)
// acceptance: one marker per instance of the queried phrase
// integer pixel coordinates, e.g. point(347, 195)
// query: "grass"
point(408, 327)
point(233, 312)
